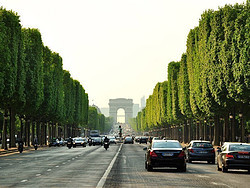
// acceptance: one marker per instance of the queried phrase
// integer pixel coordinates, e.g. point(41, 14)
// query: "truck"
point(94, 133)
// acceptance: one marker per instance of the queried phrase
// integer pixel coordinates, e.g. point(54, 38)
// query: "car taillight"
point(212, 150)
point(229, 156)
point(191, 150)
point(153, 154)
point(243, 152)
point(182, 154)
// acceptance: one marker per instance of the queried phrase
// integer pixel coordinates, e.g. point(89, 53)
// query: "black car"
point(165, 153)
point(97, 141)
point(233, 155)
point(198, 150)
point(128, 140)
point(143, 139)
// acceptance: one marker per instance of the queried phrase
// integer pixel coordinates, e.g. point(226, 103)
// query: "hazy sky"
point(115, 48)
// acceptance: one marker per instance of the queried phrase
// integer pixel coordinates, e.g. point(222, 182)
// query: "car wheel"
point(218, 167)
point(182, 169)
point(149, 168)
point(224, 169)
point(213, 161)
point(146, 166)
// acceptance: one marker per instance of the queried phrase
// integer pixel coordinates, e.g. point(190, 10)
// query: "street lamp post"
point(232, 127)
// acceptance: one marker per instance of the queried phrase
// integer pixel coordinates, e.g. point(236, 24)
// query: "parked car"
point(54, 142)
point(79, 141)
point(233, 155)
point(200, 150)
point(128, 140)
point(97, 141)
point(143, 139)
point(61, 142)
point(165, 153)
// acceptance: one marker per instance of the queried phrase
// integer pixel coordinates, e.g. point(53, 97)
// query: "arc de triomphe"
point(116, 104)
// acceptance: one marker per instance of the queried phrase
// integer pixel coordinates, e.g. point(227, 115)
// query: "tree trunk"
point(216, 131)
point(12, 127)
point(4, 138)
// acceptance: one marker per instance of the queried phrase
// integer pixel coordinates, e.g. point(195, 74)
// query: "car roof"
point(238, 143)
point(166, 141)
point(192, 141)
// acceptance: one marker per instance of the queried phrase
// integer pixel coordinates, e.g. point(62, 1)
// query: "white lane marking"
point(76, 157)
point(0, 167)
point(203, 176)
point(24, 181)
point(68, 160)
point(214, 183)
point(57, 166)
point(38, 175)
point(104, 177)
point(64, 163)
point(49, 170)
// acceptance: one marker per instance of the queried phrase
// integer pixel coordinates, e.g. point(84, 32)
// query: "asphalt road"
point(129, 171)
point(120, 166)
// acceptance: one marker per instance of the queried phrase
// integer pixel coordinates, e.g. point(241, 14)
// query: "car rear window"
point(202, 145)
point(166, 145)
point(237, 147)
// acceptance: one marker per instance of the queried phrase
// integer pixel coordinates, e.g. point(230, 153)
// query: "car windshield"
point(238, 147)
point(128, 138)
point(202, 145)
point(166, 144)
point(79, 139)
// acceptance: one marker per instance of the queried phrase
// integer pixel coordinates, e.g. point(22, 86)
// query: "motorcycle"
point(69, 144)
point(90, 142)
point(35, 146)
point(106, 145)
point(20, 147)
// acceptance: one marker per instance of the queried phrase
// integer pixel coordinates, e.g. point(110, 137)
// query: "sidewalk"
point(15, 150)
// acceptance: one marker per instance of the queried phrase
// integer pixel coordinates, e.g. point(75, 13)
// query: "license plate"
point(167, 154)
point(202, 152)
point(243, 156)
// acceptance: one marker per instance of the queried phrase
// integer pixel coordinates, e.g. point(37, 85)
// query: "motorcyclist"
point(106, 139)
point(20, 145)
point(70, 140)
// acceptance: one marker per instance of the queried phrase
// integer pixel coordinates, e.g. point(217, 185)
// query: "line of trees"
point(207, 93)
point(37, 97)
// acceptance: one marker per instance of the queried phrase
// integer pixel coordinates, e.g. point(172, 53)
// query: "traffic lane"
point(57, 167)
point(129, 171)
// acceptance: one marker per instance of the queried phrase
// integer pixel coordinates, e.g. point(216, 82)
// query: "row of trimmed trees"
point(98, 121)
point(207, 93)
point(37, 97)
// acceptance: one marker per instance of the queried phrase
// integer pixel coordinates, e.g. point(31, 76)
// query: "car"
point(137, 138)
point(79, 141)
point(61, 142)
point(233, 155)
point(128, 140)
point(97, 141)
point(200, 150)
point(112, 140)
point(54, 142)
point(143, 139)
point(165, 153)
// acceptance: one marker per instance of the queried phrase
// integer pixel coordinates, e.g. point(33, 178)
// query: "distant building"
point(143, 102)
point(136, 109)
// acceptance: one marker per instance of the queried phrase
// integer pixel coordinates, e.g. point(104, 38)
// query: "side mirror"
point(145, 148)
